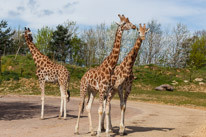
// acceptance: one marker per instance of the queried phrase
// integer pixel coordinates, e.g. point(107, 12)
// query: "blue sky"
point(38, 13)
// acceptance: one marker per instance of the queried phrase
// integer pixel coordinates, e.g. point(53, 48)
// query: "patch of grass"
point(174, 98)
point(18, 77)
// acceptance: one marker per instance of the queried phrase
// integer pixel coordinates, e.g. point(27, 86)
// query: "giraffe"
point(122, 80)
point(98, 80)
point(48, 71)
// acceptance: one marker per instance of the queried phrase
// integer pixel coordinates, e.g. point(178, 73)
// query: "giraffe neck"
point(131, 56)
point(112, 59)
point(36, 54)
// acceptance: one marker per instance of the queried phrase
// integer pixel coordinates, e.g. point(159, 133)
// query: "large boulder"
point(165, 87)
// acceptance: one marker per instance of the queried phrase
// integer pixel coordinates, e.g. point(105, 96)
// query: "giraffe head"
point(28, 34)
point(142, 31)
point(125, 23)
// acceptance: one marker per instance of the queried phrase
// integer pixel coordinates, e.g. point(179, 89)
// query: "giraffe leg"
point(42, 86)
point(62, 101)
point(65, 102)
point(113, 92)
point(110, 122)
point(103, 116)
point(109, 98)
point(123, 109)
point(88, 108)
point(108, 113)
point(65, 106)
point(83, 91)
point(100, 110)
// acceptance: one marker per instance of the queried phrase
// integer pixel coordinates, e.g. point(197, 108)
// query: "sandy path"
point(19, 117)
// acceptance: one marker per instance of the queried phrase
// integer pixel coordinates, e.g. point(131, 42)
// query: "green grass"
point(174, 98)
point(18, 77)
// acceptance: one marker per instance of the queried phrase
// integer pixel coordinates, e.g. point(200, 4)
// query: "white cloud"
point(38, 13)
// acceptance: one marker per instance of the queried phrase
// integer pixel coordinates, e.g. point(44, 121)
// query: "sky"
point(87, 13)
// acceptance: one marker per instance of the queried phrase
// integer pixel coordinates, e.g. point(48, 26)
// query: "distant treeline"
point(173, 47)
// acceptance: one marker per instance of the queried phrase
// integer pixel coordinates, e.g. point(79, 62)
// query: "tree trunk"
point(17, 52)
point(4, 50)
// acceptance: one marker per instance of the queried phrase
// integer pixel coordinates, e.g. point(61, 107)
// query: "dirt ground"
point(19, 117)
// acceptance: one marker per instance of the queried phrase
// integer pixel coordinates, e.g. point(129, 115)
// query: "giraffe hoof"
point(41, 118)
point(122, 133)
point(76, 133)
point(103, 130)
point(93, 133)
point(111, 131)
point(65, 118)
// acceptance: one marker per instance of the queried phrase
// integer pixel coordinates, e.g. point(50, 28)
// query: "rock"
point(165, 87)
point(159, 88)
point(178, 70)
point(10, 68)
point(174, 82)
point(146, 66)
point(198, 79)
point(186, 81)
point(201, 83)
point(187, 70)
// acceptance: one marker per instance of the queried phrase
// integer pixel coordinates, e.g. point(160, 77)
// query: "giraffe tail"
point(82, 103)
point(68, 95)
point(68, 91)
point(82, 107)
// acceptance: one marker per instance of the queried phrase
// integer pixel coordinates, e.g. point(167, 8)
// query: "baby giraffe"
point(122, 80)
point(48, 71)
point(99, 79)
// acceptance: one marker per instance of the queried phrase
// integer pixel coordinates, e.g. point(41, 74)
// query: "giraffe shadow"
point(69, 116)
point(134, 129)
point(23, 110)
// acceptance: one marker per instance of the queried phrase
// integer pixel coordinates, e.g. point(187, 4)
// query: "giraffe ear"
point(117, 23)
point(147, 30)
point(29, 29)
point(25, 28)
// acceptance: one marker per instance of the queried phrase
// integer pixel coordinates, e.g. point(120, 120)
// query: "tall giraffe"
point(48, 71)
point(122, 80)
point(99, 79)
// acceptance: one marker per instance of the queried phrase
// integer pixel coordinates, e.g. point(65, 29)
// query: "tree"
point(151, 46)
point(60, 43)
point(19, 42)
point(90, 48)
point(5, 36)
point(179, 49)
point(71, 26)
point(43, 39)
point(197, 56)
point(76, 52)
point(101, 37)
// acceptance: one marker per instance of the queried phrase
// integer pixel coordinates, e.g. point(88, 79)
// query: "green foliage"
point(76, 72)
point(19, 44)
point(5, 38)
point(153, 75)
point(175, 98)
point(60, 43)
point(76, 51)
point(197, 56)
point(43, 39)
point(8, 75)
point(23, 66)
